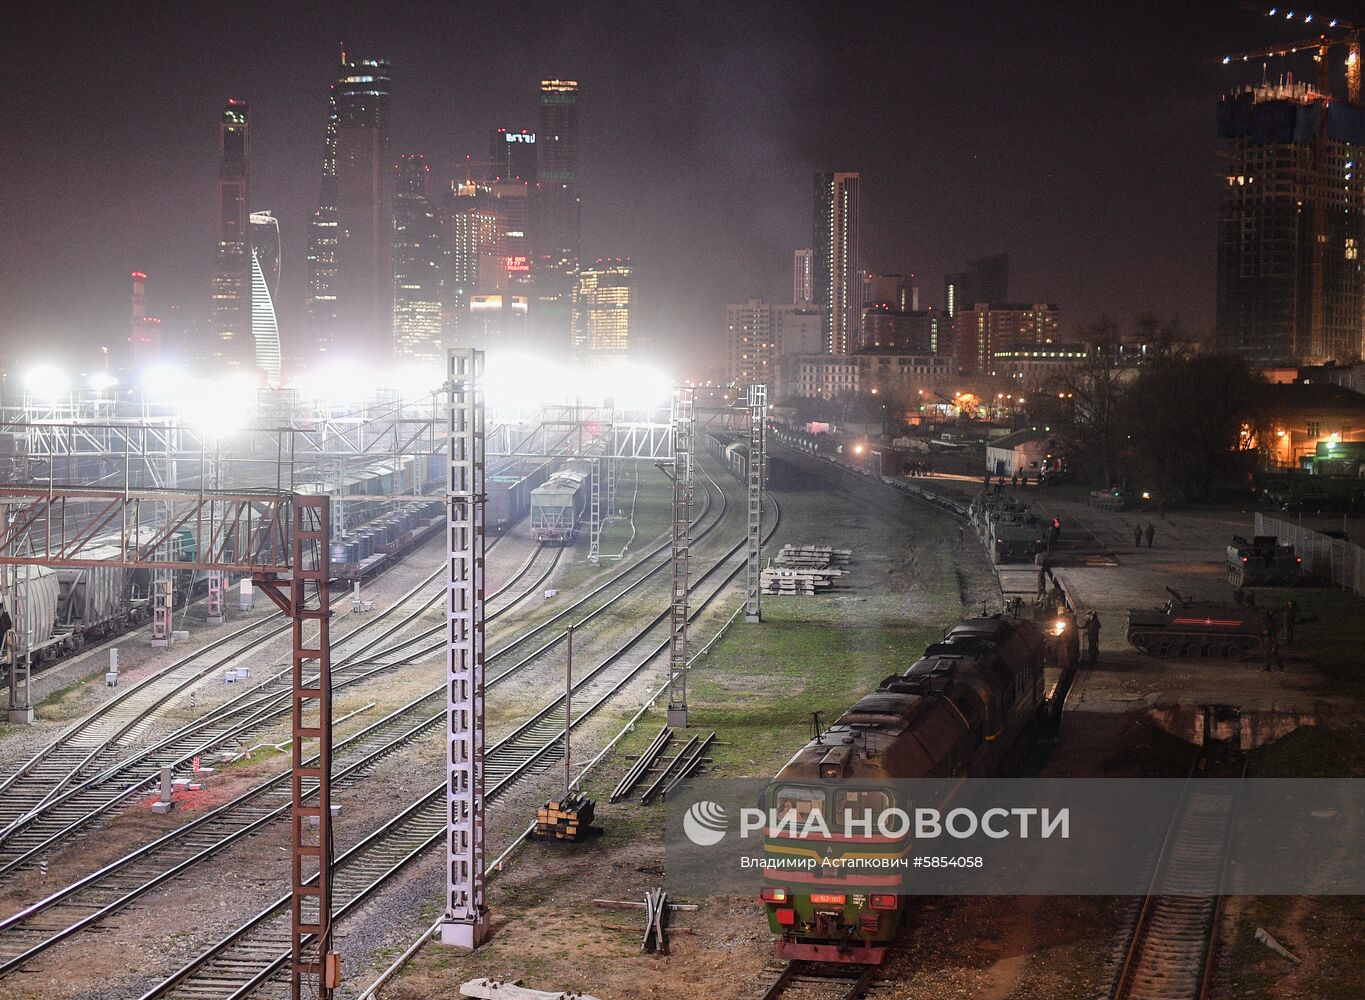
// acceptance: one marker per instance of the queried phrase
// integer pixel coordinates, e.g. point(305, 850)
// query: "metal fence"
point(1333, 559)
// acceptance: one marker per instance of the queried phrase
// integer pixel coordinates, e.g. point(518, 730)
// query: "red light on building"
point(139, 276)
point(516, 265)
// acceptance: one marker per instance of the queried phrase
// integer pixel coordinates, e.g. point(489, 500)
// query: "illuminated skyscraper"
point(265, 288)
point(471, 228)
point(322, 244)
point(511, 156)
point(836, 264)
point(230, 313)
point(144, 333)
point(364, 202)
point(603, 312)
point(556, 209)
point(416, 264)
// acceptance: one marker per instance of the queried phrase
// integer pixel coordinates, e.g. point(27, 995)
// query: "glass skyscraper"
point(265, 288)
point(230, 312)
point(416, 264)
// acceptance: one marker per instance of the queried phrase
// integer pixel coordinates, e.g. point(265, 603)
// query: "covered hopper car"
point(559, 503)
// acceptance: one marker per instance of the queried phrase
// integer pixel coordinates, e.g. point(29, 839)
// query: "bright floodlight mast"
point(758, 415)
point(681, 473)
point(465, 923)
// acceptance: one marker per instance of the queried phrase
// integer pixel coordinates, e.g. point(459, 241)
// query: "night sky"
point(1078, 140)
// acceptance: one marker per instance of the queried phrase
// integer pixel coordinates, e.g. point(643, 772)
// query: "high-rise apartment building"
point(322, 244)
point(604, 303)
point(230, 312)
point(1290, 283)
point(760, 335)
point(265, 290)
point(364, 186)
point(417, 329)
point(836, 270)
point(556, 219)
point(914, 331)
point(987, 279)
point(803, 278)
point(986, 328)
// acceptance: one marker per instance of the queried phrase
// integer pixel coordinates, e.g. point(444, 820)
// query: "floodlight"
point(46, 382)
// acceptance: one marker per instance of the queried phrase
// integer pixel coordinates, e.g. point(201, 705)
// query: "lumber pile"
point(811, 557)
point(565, 819)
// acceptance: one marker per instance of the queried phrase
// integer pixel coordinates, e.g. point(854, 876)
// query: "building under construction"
point(1290, 282)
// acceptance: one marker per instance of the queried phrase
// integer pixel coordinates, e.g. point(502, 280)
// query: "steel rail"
point(409, 834)
point(246, 801)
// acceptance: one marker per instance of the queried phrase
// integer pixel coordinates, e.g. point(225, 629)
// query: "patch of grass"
point(1331, 633)
point(760, 684)
point(1312, 752)
point(59, 695)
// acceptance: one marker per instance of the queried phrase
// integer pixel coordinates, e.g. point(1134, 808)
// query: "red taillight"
point(869, 922)
point(1246, 558)
point(773, 894)
point(786, 916)
point(1298, 559)
point(881, 901)
point(828, 898)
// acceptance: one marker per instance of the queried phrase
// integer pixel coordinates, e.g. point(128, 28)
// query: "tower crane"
point(1321, 47)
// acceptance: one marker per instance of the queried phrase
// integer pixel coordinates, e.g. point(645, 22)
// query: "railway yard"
point(103, 897)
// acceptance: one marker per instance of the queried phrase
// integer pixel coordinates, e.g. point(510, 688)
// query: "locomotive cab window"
point(792, 801)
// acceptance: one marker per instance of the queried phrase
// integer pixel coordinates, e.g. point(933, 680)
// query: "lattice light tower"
point(758, 415)
point(683, 428)
point(465, 923)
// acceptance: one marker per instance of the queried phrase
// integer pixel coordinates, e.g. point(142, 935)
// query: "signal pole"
point(758, 414)
point(681, 543)
point(465, 924)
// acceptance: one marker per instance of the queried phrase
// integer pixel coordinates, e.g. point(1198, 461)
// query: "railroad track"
point(249, 957)
point(1170, 950)
point(824, 980)
point(61, 813)
point(27, 933)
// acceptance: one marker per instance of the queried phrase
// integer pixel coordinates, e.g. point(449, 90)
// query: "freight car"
point(509, 495)
point(964, 709)
point(33, 603)
point(559, 502)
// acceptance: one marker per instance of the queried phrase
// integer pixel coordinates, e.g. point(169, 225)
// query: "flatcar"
point(559, 503)
point(961, 710)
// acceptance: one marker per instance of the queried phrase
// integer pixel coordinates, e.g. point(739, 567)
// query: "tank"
point(1189, 628)
point(1262, 562)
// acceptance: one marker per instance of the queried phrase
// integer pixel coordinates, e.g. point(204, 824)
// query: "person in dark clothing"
point(1014, 480)
point(1073, 643)
point(1270, 640)
point(1092, 637)
point(1291, 618)
point(1149, 533)
point(1056, 525)
point(1137, 536)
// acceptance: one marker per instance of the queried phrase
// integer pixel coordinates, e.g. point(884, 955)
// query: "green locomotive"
point(962, 710)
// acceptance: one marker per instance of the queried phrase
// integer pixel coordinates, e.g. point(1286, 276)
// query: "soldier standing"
point(1150, 533)
point(1271, 640)
point(1092, 637)
point(1137, 536)
point(1291, 618)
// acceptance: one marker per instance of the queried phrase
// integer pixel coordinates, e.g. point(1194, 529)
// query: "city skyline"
point(647, 165)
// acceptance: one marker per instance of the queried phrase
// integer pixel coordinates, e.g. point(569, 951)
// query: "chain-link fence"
point(1333, 559)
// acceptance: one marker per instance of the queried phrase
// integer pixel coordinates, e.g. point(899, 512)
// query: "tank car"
point(961, 710)
point(1184, 627)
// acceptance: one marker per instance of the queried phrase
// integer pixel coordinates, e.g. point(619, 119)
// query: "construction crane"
point(1321, 47)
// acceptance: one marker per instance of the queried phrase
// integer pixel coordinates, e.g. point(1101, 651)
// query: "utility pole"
point(465, 924)
point(758, 415)
point(681, 544)
point(568, 711)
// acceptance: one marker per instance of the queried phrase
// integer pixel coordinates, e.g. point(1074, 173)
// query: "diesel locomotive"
point(962, 710)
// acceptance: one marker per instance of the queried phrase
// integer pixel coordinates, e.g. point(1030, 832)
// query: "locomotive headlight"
point(1059, 626)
